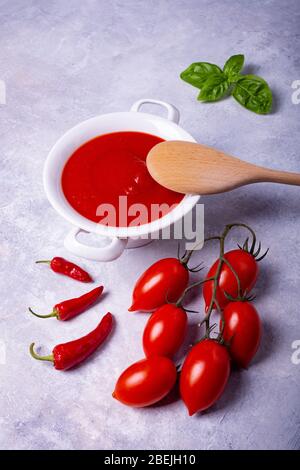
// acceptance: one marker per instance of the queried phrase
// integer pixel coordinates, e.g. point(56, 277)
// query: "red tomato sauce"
point(110, 166)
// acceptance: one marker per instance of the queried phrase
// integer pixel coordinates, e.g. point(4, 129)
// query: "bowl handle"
point(173, 113)
point(106, 253)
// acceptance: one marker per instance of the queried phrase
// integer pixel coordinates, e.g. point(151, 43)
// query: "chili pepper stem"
point(49, 358)
point(48, 261)
point(52, 314)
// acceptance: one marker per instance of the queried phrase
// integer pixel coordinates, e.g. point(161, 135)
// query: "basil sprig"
point(253, 93)
point(214, 88)
point(250, 91)
point(197, 74)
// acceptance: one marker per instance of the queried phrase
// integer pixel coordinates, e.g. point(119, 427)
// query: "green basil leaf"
point(253, 93)
point(233, 66)
point(197, 73)
point(214, 88)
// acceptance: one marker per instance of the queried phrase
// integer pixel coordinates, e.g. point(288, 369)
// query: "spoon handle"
point(283, 177)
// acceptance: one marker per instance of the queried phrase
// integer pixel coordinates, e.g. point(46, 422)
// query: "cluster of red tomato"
point(206, 368)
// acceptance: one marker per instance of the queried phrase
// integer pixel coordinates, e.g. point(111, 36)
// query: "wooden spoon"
point(190, 168)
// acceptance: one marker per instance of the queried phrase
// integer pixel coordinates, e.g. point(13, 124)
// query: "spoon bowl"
point(191, 168)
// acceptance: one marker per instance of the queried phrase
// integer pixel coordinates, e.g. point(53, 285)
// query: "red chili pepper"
point(62, 266)
point(72, 307)
point(67, 355)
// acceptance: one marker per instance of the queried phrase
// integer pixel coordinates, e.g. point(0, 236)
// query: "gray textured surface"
point(66, 61)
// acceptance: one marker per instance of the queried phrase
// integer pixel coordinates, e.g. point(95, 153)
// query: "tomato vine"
point(222, 260)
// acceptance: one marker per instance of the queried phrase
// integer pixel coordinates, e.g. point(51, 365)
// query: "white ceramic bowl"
point(119, 237)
